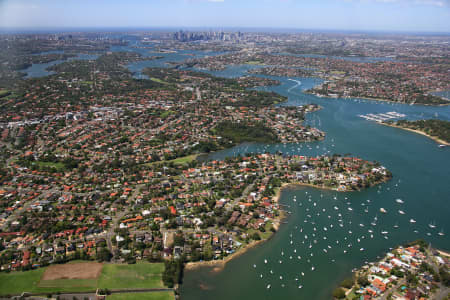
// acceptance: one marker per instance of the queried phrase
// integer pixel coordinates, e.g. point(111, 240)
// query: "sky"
point(359, 15)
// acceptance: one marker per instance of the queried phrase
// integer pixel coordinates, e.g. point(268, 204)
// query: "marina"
point(306, 223)
point(381, 117)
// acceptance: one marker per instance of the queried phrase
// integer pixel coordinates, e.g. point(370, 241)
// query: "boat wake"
point(298, 83)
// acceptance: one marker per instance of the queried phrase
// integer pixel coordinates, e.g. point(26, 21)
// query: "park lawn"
point(184, 159)
point(176, 161)
point(58, 166)
point(254, 62)
point(351, 295)
point(87, 284)
point(264, 235)
point(268, 233)
point(158, 80)
point(144, 296)
point(3, 93)
point(30, 281)
point(140, 275)
point(18, 282)
point(166, 113)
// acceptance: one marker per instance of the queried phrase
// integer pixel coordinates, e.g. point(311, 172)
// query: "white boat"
point(383, 210)
point(441, 233)
point(312, 268)
point(412, 221)
point(350, 209)
point(265, 261)
point(268, 286)
point(431, 225)
point(401, 212)
point(398, 200)
point(395, 226)
point(362, 249)
point(384, 232)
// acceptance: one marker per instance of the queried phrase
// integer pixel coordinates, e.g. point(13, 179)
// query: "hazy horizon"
point(323, 15)
point(62, 29)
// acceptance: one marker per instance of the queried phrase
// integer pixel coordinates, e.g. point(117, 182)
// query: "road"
point(91, 294)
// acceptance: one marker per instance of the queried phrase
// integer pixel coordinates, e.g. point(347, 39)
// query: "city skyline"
point(354, 15)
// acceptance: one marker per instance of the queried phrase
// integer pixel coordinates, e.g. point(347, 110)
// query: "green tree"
point(339, 293)
point(103, 255)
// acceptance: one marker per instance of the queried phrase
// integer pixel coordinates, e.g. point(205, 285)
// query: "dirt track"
point(73, 271)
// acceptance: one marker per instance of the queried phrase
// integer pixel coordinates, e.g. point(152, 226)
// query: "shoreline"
point(373, 99)
point(219, 265)
point(436, 139)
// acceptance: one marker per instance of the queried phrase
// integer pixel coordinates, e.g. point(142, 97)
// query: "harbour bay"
point(420, 179)
point(420, 170)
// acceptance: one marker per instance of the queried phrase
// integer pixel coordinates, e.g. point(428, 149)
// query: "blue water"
point(421, 178)
point(443, 94)
point(348, 58)
point(40, 70)
point(177, 56)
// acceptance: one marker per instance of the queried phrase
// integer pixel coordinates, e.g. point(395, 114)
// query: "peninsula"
point(412, 271)
point(438, 130)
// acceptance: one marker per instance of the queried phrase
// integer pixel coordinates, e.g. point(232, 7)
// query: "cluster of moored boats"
point(310, 243)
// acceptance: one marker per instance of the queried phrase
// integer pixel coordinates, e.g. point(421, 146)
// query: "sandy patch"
point(73, 271)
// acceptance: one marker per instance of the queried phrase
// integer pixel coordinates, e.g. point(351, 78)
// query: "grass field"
point(87, 284)
point(3, 93)
point(176, 161)
point(17, 282)
point(158, 80)
point(140, 275)
point(254, 62)
point(144, 296)
point(58, 166)
point(184, 160)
